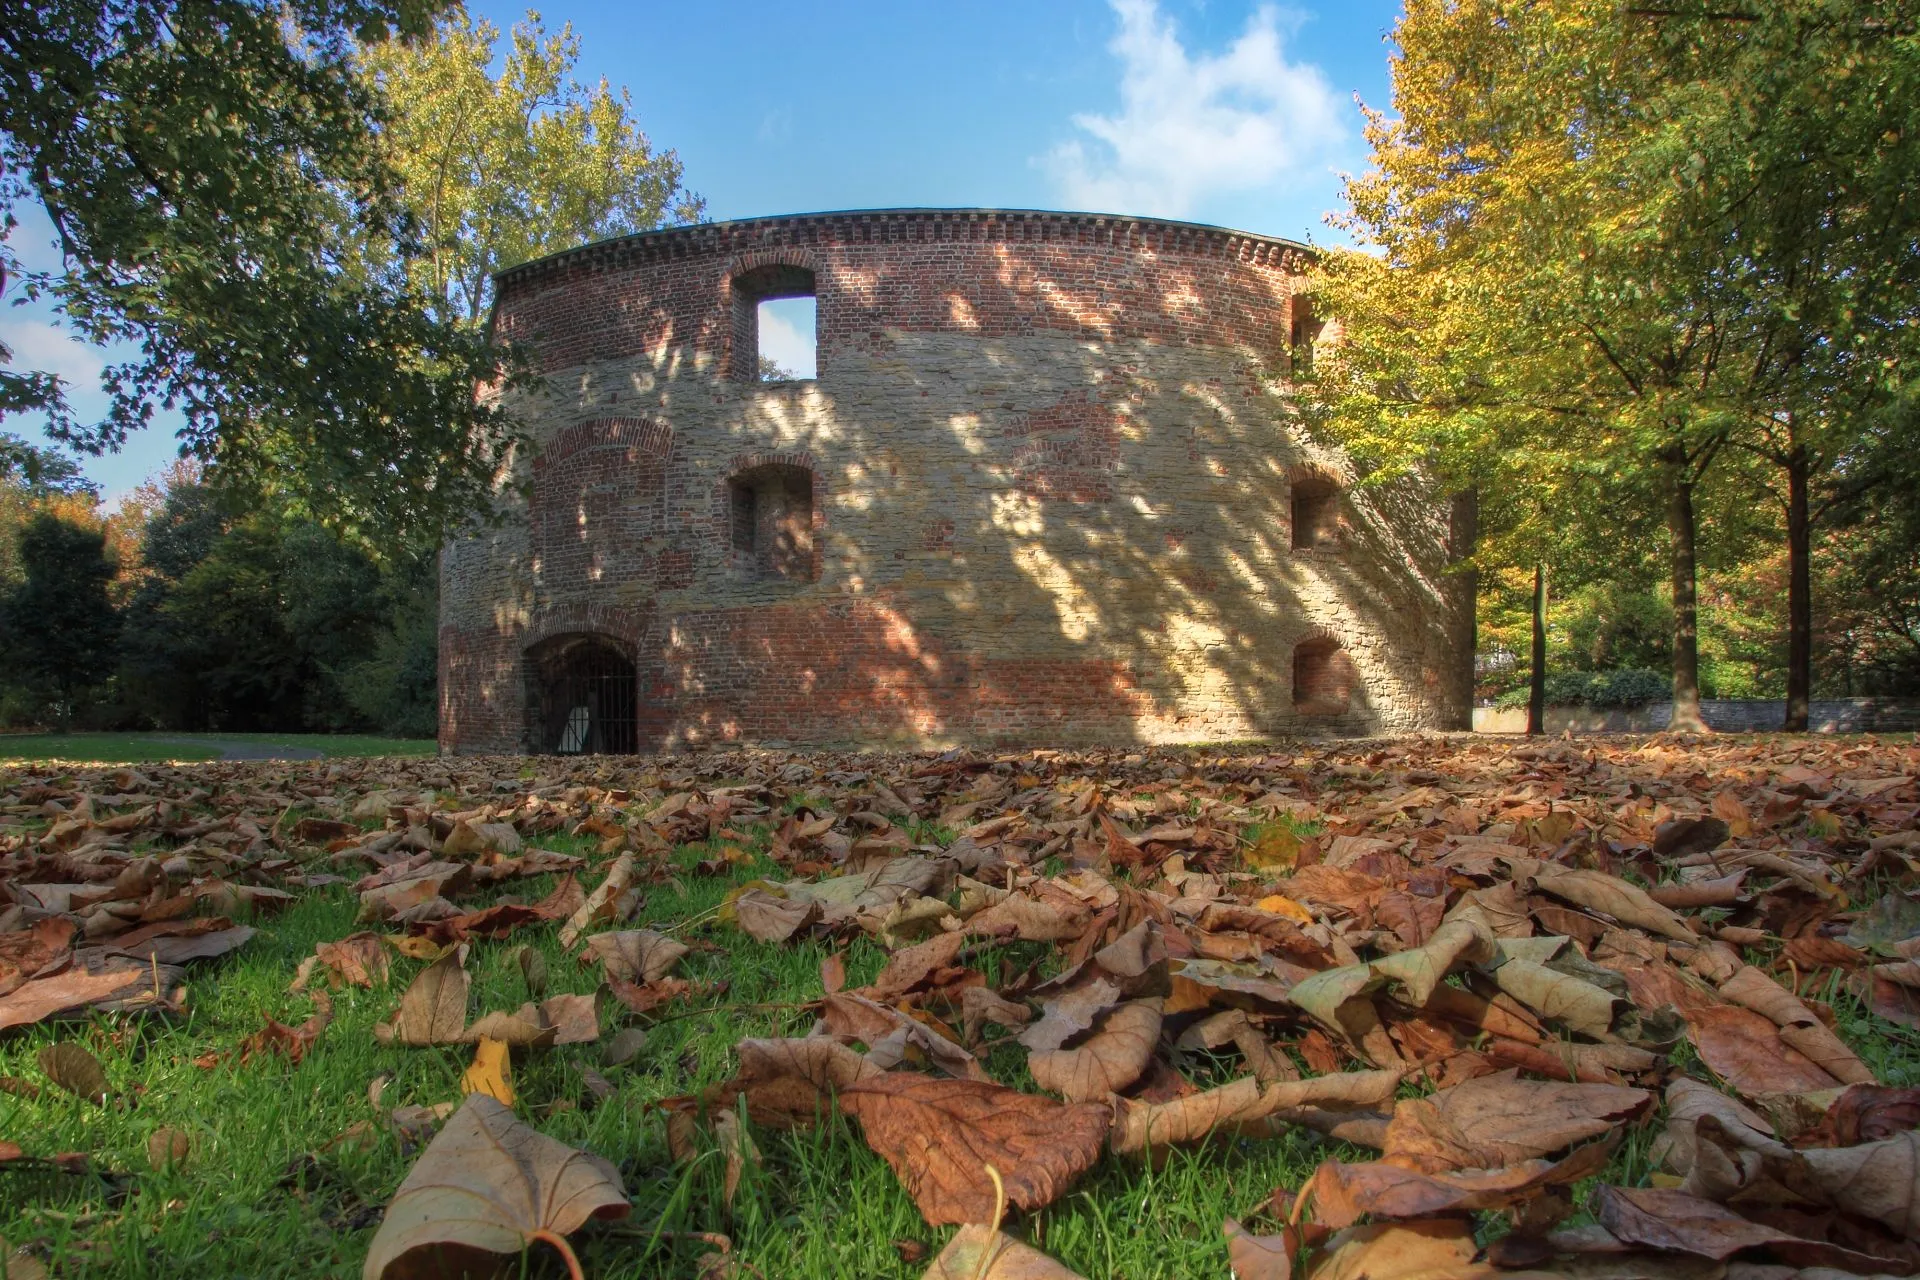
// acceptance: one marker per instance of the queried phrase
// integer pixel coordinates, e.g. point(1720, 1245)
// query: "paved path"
point(236, 749)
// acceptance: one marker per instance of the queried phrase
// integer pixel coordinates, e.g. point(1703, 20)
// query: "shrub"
point(1631, 687)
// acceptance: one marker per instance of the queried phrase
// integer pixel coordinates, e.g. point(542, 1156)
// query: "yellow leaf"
point(488, 1074)
point(417, 948)
point(1276, 850)
point(1281, 905)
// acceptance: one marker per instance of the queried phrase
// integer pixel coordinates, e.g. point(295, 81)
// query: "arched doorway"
point(1324, 678)
point(582, 697)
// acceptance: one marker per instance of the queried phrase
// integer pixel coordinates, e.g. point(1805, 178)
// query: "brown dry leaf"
point(1576, 1004)
point(790, 1083)
point(18, 1264)
point(738, 1147)
point(1342, 1193)
point(939, 1135)
point(1610, 895)
point(982, 1253)
point(1501, 1119)
point(1799, 1026)
point(616, 898)
point(766, 917)
point(95, 980)
point(168, 1147)
point(981, 1005)
point(484, 1187)
point(1877, 1180)
point(911, 966)
point(635, 955)
point(71, 1067)
point(1746, 1051)
point(357, 960)
point(489, 1072)
point(1108, 1060)
point(1255, 1257)
point(291, 1043)
point(1864, 1113)
point(1439, 1249)
point(892, 1037)
point(434, 1008)
point(1663, 1219)
point(1139, 1126)
point(27, 952)
point(177, 942)
point(1018, 916)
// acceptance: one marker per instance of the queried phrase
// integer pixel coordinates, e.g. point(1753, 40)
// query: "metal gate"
point(584, 698)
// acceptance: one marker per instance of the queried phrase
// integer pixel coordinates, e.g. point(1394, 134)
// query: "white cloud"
point(786, 334)
point(1191, 127)
point(41, 347)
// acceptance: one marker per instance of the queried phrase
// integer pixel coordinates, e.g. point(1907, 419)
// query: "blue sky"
point(1231, 113)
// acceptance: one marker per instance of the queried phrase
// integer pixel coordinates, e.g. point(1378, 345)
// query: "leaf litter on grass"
point(1481, 960)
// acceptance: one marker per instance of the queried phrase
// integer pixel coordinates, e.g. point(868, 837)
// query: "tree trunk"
point(1799, 595)
point(1463, 536)
point(1686, 614)
point(1537, 678)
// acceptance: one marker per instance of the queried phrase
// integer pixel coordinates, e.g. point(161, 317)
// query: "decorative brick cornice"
point(742, 240)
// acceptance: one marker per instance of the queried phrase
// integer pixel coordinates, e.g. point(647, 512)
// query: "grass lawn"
point(138, 748)
point(263, 1193)
point(291, 1166)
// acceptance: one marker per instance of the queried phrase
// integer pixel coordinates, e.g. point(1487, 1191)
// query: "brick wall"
point(1051, 462)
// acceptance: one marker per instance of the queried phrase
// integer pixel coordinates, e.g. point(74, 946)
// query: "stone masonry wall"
point(1051, 478)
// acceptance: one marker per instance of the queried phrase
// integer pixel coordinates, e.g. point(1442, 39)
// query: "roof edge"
point(663, 236)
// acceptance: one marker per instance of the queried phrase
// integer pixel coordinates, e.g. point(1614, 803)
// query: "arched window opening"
point(1316, 512)
point(1324, 678)
point(775, 319)
point(584, 697)
point(771, 519)
point(1303, 330)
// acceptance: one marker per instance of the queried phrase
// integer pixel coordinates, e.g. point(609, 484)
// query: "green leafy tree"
point(503, 168)
point(214, 173)
point(1597, 236)
point(61, 628)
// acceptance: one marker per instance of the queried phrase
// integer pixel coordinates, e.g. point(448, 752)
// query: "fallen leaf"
point(292, 1043)
point(1799, 1026)
point(1438, 1249)
point(635, 955)
point(1255, 1257)
point(1342, 1193)
point(981, 1253)
point(616, 898)
point(488, 1185)
point(434, 1008)
point(1746, 1051)
point(95, 980)
point(1111, 1057)
point(939, 1135)
point(623, 1048)
point(167, 1148)
point(1499, 1120)
point(789, 1084)
point(489, 1071)
point(71, 1067)
point(767, 918)
point(1141, 1125)
point(357, 960)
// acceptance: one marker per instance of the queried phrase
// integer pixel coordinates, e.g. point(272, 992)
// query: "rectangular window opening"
point(787, 340)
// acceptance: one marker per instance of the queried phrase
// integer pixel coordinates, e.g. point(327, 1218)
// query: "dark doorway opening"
point(584, 698)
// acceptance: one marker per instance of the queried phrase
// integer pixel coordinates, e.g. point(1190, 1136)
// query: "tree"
point(61, 628)
point(1598, 202)
point(502, 169)
point(214, 173)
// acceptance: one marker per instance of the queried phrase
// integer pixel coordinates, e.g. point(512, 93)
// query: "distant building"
point(1046, 487)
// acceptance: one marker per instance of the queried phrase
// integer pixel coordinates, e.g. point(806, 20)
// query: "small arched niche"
point(1315, 511)
point(582, 697)
point(1324, 678)
point(770, 522)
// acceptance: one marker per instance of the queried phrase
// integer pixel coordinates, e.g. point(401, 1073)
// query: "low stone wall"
point(1723, 715)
